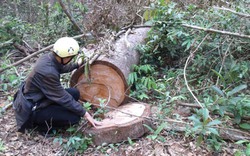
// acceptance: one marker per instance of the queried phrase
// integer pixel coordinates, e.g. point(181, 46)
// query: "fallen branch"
point(198, 106)
point(29, 47)
point(34, 54)
point(223, 62)
point(119, 33)
point(21, 48)
point(7, 43)
point(185, 67)
point(233, 11)
point(181, 126)
point(126, 38)
point(123, 30)
point(69, 16)
point(26, 58)
point(217, 31)
point(5, 108)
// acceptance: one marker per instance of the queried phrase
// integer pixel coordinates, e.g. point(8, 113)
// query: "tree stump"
point(109, 74)
point(127, 121)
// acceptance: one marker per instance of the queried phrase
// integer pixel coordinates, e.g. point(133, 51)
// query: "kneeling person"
point(41, 102)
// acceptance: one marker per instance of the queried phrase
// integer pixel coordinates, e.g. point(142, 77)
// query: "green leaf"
point(87, 71)
point(205, 114)
point(149, 128)
point(219, 75)
point(160, 128)
point(195, 119)
point(147, 15)
point(153, 137)
point(12, 78)
point(196, 128)
point(245, 126)
point(135, 76)
point(131, 79)
point(218, 91)
point(146, 81)
point(71, 129)
point(213, 130)
point(214, 122)
point(130, 141)
point(199, 140)
point(87, 106)
point(248, 150)
point(236, 89)
point(241, 142)
point(142, 96)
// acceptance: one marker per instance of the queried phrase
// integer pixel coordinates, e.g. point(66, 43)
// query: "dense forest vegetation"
point(194, 67)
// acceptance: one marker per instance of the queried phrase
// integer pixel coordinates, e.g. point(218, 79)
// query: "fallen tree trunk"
point(109, 73)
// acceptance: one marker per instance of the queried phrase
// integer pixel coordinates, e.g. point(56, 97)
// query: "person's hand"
point(92, 121)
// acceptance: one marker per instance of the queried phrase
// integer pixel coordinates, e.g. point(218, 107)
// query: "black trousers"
point(55, 116)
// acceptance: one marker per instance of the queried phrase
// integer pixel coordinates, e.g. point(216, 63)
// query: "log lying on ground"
point(109, 74)
point(118, 125)
point(224, 133)
point(182, 126)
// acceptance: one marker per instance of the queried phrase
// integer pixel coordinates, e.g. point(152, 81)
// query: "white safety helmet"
point(65, 47)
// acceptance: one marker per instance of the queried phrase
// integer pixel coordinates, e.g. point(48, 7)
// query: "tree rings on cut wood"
point(109, 73)
point(106, 82)
point(127, 121)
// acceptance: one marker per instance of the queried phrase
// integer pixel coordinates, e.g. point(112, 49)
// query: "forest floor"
point(32, 143)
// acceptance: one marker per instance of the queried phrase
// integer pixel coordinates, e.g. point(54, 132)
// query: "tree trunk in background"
point(109, 74)
point(70, 16)
point(16, 9)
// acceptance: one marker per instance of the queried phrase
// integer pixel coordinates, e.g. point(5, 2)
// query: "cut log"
point(118, 125)
point(109, 74)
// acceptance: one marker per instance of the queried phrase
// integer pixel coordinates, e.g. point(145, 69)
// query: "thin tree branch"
point(185, 78)
point(233, 11)
point(7, 43)
point(29, 47)
point(26, 58)
point(126, 38)
point(193, 27)
point(217, 31)
point(21, 48)
point(69, 16)
point(223, 62)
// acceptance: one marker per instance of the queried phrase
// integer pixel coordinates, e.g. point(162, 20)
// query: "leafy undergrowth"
point(32, 143)
point(175, 62)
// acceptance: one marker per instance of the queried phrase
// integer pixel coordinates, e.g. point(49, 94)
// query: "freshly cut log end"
point(110, 72)
point(105, 82)
point(127, 121)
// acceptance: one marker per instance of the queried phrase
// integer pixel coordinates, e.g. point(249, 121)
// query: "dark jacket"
point(44, 88)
